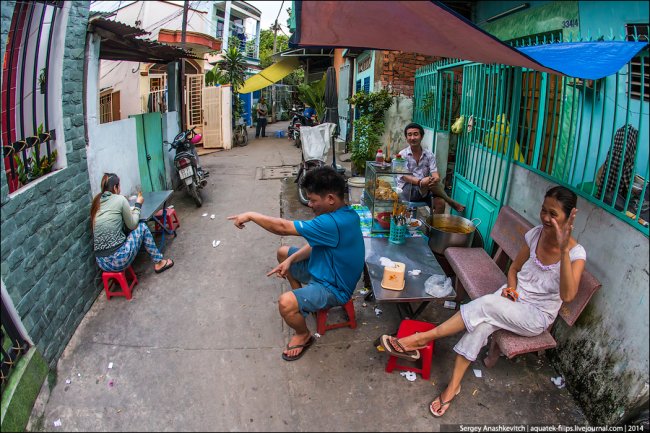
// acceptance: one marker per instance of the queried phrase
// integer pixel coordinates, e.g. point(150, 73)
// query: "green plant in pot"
point(369, 127)
point(313, 94)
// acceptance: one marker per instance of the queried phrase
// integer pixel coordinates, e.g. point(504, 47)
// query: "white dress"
point(539, 301)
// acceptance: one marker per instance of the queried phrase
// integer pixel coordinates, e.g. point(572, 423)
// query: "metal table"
point(153, 202)
point(415, 254)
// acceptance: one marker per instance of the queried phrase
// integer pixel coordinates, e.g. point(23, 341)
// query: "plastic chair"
point(172, 222)
point(410, 327)
point(122, 280)
point(321, 319)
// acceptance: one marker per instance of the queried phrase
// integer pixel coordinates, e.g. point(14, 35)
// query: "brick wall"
point(398, 70)
point(47, 261)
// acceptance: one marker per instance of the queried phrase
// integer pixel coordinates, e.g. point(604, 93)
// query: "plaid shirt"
point(616, 154)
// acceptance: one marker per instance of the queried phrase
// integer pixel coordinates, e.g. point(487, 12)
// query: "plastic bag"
point(439, 286)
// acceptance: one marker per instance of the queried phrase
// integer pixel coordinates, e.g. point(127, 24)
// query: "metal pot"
point(446, 231)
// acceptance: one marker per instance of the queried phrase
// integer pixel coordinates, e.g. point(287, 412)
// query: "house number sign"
point(570, 23)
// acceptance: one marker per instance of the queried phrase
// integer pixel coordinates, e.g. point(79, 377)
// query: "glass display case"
point(381, 193)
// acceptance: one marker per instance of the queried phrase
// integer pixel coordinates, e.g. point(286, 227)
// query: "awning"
point(431, 28)
point(270, 75)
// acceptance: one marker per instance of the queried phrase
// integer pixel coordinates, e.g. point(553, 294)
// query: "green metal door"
point(151, 153)
point(484, 154)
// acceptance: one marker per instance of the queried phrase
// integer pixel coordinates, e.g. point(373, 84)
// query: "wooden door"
point(193, 105)
point(212, 136)
point(115, 106)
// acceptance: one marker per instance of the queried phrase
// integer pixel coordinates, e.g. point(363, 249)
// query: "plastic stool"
point(172, 222)
point(410, 327)
point(279, 134)
point(321, 319)
point(122, 280)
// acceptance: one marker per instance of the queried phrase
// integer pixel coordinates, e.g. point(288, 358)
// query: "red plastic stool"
point(410, 327)
point(171, 222)
point(122, 280)
point(321, 319)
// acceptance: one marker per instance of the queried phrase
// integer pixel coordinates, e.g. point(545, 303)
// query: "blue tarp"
point(587, 60)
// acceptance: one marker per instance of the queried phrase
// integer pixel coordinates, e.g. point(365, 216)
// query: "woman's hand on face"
point(140, 198)
point(563, 234)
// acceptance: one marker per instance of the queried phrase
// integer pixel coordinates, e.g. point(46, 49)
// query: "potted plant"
point(369, 127)
point(41, 81)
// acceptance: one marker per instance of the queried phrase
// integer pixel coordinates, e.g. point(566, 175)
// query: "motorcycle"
point(299, 120)
point(186, 162)
point(315, 148)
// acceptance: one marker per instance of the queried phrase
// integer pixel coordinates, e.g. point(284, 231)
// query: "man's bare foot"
point(296, 341)
point(459, 207)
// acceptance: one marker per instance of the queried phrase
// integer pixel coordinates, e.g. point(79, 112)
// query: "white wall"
point(155, 15)
point(113, 148)
point(121, 77)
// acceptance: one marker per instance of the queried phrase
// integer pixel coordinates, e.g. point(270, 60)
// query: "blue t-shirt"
point(338, 253)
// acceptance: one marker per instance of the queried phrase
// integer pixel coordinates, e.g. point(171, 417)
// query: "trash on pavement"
point(215, 243)
point(364, 291)
point(204, 215)
point(111, 383)
point(378, 311)
point(478, 373)
point(68, 381)
point(409, 375)
point(364, 305)
point(474, 393)
point(558, 381)
point(451, 305)
point(213, 216)
point(110, 365)
point(317, 335)
point(57, 423)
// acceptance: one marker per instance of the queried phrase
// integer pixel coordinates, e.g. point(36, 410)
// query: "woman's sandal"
point(393, 347)
point(442, 404)
point(168, 264)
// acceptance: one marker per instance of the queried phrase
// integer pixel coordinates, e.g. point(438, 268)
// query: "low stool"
point(122, 280)
point(321, 319)
point(410, 327)
point(171, 222)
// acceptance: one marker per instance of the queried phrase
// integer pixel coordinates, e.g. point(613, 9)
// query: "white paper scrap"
point(386, 262)
point(212, 216)
point(478, 373)
point(215, 243)
point(204, 215)
point(415, 272)
point(409, 375)
point(57, 423)
point(68, 381)
point(110, 365)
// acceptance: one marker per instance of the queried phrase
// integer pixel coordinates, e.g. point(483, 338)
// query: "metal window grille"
point(639, 73)
point(106, 108)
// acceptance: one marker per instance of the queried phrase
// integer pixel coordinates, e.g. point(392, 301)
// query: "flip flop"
point(304, 347)
point(168, 265)
point(389, 342)
point(442, 404)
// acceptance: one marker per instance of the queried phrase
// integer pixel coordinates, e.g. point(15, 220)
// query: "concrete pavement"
point(198, 347)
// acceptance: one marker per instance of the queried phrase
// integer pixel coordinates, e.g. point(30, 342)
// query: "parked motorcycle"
point(315, 148)
point(299, 120)
point(186, 161)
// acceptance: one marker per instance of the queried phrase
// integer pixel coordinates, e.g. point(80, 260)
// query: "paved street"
point(198, 347)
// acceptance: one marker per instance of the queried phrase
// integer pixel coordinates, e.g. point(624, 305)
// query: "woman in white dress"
point(545, 273)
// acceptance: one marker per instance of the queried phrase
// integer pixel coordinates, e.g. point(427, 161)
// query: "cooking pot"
point(447, 230)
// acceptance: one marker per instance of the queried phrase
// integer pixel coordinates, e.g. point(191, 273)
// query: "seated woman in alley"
point(545, 273)
point(109, 213)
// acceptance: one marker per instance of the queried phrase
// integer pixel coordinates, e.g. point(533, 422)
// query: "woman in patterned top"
point(545, 273)
point(109, 213)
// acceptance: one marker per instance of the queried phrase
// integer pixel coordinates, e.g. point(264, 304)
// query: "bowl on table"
point(413, 224)
point(383, 218)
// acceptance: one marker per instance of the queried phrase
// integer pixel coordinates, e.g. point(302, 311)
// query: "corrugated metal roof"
point(122, 42)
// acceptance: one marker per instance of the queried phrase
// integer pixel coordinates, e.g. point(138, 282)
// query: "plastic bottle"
point(380, 157)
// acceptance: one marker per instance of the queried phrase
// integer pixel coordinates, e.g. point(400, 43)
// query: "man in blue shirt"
point(323, 273)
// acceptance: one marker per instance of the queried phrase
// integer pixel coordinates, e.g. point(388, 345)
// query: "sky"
point(269, 10)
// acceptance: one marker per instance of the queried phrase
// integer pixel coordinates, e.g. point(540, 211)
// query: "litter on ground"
point(378, 311)
point(57, 423)
point(478, 373)
point(213, 216)
point(364, 291)
point(204, 215)
point(68, 381)
point(215, 243)
point(409, 375)
point(110, 365)
point(558, 381)
point(317, 335)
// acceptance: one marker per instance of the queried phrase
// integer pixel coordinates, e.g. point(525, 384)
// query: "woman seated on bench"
point(109, 213)
point(545, 273)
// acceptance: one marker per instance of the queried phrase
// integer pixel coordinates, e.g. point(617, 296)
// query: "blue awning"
point(587, 60)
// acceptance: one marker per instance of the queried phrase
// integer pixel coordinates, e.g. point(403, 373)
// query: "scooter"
point(315, 148)
point(186, 162)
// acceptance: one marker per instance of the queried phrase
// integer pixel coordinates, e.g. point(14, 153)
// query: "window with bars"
point(639, 70)
point(106, 108)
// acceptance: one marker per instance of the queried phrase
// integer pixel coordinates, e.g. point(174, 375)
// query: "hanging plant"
point(41, 81)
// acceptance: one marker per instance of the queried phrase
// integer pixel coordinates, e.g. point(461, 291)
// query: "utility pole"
point(273, 90)
point(182, 86)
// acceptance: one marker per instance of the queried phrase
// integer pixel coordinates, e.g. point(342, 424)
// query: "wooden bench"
point(478, 274)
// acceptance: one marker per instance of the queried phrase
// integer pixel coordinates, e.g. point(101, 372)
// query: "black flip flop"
point(304, 347)
point(411, 355)
point(168, 265)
